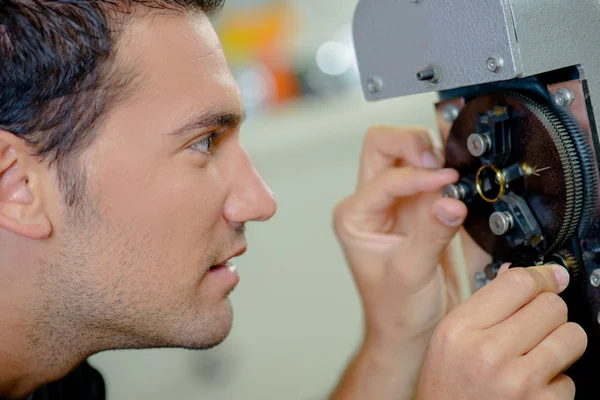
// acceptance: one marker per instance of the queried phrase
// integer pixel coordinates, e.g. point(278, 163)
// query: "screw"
point(450, 113)
point(478, 144)
point(564, 97)
point(494, 64)
point(501, 222)
point(374, 85)
point(454, 191)
point(598, 317)
point(595, 278)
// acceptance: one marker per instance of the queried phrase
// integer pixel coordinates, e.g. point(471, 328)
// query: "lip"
point(238, 253)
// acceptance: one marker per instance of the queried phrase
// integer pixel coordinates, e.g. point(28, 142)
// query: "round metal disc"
point(537, 141)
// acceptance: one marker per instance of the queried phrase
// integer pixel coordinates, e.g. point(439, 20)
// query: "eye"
point(205, 145)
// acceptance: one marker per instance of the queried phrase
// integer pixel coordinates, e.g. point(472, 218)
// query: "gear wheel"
point(589, 171)
point(561, 136)
point(562, 198)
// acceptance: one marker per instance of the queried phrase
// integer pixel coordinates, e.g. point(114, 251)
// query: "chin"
point(210, 330)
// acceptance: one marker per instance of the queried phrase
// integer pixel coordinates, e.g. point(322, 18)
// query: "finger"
point(503, 268)
point(531, 324)
point(553, 355)
point(386, 146)
point(371, 204)
point(560, 388)
point(461, 262)
point(475, 258)
point(424, 246)
point(510, 291)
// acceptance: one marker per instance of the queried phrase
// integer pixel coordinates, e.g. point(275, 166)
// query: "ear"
point(21, 201)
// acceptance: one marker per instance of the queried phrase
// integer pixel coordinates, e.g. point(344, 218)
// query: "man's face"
point(161, 210)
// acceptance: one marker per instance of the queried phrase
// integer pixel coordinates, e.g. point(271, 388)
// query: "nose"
point(250, 199)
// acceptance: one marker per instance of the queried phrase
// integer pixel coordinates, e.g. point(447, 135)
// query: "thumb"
point(423, 248)
point(438, 227)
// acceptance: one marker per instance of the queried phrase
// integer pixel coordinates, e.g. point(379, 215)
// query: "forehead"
point(180, 65)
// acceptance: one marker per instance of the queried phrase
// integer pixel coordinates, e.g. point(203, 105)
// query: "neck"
point(29, 353)
point(18, 379)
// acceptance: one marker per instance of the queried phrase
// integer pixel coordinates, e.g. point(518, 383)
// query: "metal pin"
point(454, 191)
point(478, 144)
point(501, 222)
point(536, 171)
point(529, 170)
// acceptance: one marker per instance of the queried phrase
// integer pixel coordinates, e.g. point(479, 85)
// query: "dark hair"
point(56, 74)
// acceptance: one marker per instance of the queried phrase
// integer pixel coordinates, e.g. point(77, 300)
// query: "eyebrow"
point(211, 118)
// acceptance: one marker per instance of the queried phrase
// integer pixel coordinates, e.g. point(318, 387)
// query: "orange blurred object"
point(262, 35)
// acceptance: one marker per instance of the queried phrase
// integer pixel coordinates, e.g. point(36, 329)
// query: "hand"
point(395, 232)
point(510, 341)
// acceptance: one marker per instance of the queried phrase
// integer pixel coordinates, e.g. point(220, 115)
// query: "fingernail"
point(430, 160)
point(446, 171)
point(447, 217)
point(562, 276)
point(503, 268)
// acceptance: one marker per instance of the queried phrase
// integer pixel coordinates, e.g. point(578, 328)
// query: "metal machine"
point(519, 97)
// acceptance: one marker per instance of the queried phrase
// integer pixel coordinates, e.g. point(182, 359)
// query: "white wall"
point(297, 315)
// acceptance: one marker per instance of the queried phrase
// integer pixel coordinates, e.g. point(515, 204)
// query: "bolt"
point(501, 222)
point(454, 191)
point(564, 97)
point(450, 113)
point(494, 64)
point(430, 74)
point(478, 144)
point(374, 85)
point(426, 75)
point(595, 278)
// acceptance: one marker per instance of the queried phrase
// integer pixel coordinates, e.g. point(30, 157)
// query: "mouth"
point(227, 263)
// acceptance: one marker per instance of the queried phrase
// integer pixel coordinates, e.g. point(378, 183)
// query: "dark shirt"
point(84, 383)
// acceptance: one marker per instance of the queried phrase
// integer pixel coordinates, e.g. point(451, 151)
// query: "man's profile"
point(126, 228)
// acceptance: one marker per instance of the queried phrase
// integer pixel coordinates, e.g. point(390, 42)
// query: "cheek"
point(177, 209)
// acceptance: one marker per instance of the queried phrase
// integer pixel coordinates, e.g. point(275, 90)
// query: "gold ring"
point(501, 180)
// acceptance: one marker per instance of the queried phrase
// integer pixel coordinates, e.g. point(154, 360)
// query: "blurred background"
point(297, 316)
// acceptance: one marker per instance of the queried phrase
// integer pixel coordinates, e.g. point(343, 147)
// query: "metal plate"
point(395, 39)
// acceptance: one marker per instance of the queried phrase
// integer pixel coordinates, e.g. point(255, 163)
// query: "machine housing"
point(465, 50)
